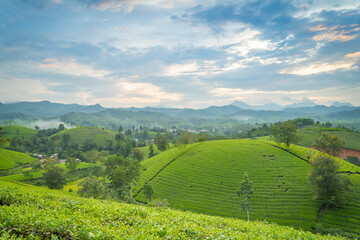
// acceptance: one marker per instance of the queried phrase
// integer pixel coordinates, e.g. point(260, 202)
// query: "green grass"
point(10, 159)
point(18, 131)
point(80, 135)
point(146, 150)
point(30, 212)
point(204, 178)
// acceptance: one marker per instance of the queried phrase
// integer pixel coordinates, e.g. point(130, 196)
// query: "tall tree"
point(161, 142)
point(285, 132)
point(148, 191)
point(3, 140)
point(151, 153)
point(246, 193)
point(330, 185)
point(330, 144)
point(54, 177)
point(138, 154)
point(71, 164)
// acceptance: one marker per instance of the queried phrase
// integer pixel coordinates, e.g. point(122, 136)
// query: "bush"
point(162, 203)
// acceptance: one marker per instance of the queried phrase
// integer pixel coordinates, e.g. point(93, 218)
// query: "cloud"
point(320, 96)
point(128, 6)
point(71, 67)
point(335, 33)
point(348, 63)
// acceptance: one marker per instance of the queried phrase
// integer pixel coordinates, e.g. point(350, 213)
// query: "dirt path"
point(349, 152)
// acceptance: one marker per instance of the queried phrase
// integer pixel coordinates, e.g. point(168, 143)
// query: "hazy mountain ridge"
point(96, 115)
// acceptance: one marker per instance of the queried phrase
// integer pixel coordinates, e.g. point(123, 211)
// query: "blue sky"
point(179, 53)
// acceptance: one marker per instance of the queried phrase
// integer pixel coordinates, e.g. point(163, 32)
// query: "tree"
point(138, 154)
point(330, 185)
point(285, 132)
point(71, 164)
point(92, 187)
point(128, 132)
point(54, 177)
point(3, 140)
point(120, 129)
point(61, 127)
point(148, 191)
point(330, 144)
point(246, 193)
point(151, 153)
point(121, 173)
point(161, 142)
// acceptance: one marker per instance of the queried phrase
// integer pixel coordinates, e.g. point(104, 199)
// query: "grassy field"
point(204, 178)
point(18, 131)
point(28, 212)
point(10, 159)
point(80, 135)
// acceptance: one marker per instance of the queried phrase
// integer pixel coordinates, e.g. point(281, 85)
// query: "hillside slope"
point(36, 213)
point(10, 159)
point(81, 135)
point(204, 178)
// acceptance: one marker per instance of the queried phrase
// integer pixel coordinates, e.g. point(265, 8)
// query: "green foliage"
point(10, 159)
point(54, 177)
point(121, 173)
point(3, 140)
point(151, 151)
point(93, 187)
point(36, 213)
point(354, 160)
point(71, 164)
point(330, 186)
point(246, 193)
point(148, 191)
point(161, 142)
point(138, 154)
point(285, 132)
point(330, 144)
point(159, 203)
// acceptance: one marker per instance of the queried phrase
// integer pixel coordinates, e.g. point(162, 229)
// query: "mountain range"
point(220, 116)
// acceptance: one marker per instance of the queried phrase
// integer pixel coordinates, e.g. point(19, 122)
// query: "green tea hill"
point(204, 177)
point(18, 131)
point(10, 159)
point(82, 135)
point(28, 212)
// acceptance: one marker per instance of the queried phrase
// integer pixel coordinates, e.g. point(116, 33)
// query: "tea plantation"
point(204, 177)
point(81, 135)
point(11, 159)
point(28, 212)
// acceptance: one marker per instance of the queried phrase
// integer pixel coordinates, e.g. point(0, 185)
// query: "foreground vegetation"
point(28, 212)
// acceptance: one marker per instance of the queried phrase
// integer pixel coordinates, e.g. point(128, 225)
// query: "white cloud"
point(320, 96)
point(348, 63)
point(335, 33)
point(71, 67)
point(16, 89)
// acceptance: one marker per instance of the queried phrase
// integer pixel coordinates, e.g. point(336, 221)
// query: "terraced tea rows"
point(10, 159)
point(204, 178)
point(28, 212)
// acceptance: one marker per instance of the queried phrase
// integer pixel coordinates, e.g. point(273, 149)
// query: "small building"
point(55, 155)
point(62, 161)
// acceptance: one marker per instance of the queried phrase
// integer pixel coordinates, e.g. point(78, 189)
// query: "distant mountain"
point(47, 109)
point(341, 104)
point(273, 106)
point(304, 103)
point(267, 107)
point(318, 109)
point(352, 115)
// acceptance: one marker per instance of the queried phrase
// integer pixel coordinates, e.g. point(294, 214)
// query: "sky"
point(179, 53)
